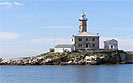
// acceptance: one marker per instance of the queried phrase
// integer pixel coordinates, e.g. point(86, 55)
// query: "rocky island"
point(84, 50)
point(74, 58)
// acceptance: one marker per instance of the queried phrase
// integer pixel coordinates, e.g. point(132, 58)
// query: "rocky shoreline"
point(50, 58)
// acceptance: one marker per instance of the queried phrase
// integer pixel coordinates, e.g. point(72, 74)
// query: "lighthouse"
point(83, 23)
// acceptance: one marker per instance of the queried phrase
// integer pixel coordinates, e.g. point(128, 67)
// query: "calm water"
point(67, 74)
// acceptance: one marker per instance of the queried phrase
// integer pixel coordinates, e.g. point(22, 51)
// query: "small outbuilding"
point(111, 44)
point(64, 48)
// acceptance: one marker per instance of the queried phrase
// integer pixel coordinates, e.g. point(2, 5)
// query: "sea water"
point(67, 74)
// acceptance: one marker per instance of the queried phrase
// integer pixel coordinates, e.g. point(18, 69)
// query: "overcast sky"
point(31, 27)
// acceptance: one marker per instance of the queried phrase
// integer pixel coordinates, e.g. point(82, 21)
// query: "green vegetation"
point(52, 55)
point(56, 55)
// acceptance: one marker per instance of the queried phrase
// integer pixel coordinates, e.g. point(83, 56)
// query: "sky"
point(32, 27)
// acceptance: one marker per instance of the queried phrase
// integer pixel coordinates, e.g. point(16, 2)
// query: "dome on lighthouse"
point(83, 16)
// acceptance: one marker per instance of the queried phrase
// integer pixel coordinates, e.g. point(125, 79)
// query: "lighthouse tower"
point(85, 40)
point(83, 23)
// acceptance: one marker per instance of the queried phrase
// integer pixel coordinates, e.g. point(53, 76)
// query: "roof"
point(83, 16)
point(87, 34)
point(64, 46)
point(110, 40)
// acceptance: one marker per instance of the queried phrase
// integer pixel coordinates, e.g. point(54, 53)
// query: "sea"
point(122, 73)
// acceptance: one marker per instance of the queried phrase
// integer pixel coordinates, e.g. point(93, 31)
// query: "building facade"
point(64, 48)
point(85, 40)
point(111, 44)
point(81, 41)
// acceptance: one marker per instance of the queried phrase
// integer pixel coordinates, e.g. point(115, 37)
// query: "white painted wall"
point(112, 44)
point(61, 50)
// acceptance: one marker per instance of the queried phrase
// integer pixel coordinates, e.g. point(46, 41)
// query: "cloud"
point(113, 28)
point(16, 3)
point(123, 29)
point(8, 36)
point(19, 53)
point(59, 27)
point(39, 45)
point(6, 3)
point(10, 4)
point(123, 43)
point(51, 40)
point(131, 35)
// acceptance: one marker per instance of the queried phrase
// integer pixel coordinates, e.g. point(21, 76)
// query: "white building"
point(85, 40)
point(111, 44)
point(64, 48)
point(82, 41)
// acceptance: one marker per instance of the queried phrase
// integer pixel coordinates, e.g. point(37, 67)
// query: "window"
point(72, 39)
point(86, 45)
point(93, 45)
point(80, 39)
point(86, 39)
point(93, 39)
point(80, 45)
point(111, 46)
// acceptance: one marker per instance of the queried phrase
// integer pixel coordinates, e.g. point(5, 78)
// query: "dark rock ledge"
point(74, 58)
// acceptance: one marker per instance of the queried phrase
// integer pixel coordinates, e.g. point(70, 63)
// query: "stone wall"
point(90, 43)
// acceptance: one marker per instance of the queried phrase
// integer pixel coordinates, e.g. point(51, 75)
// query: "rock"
point(129, 57)
point(64, 59)
point(69, 62)
point(119, 58)
point(1, 60)
point(123, 57)
point(105, 59)
point(114, 59)
point(47, 60)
